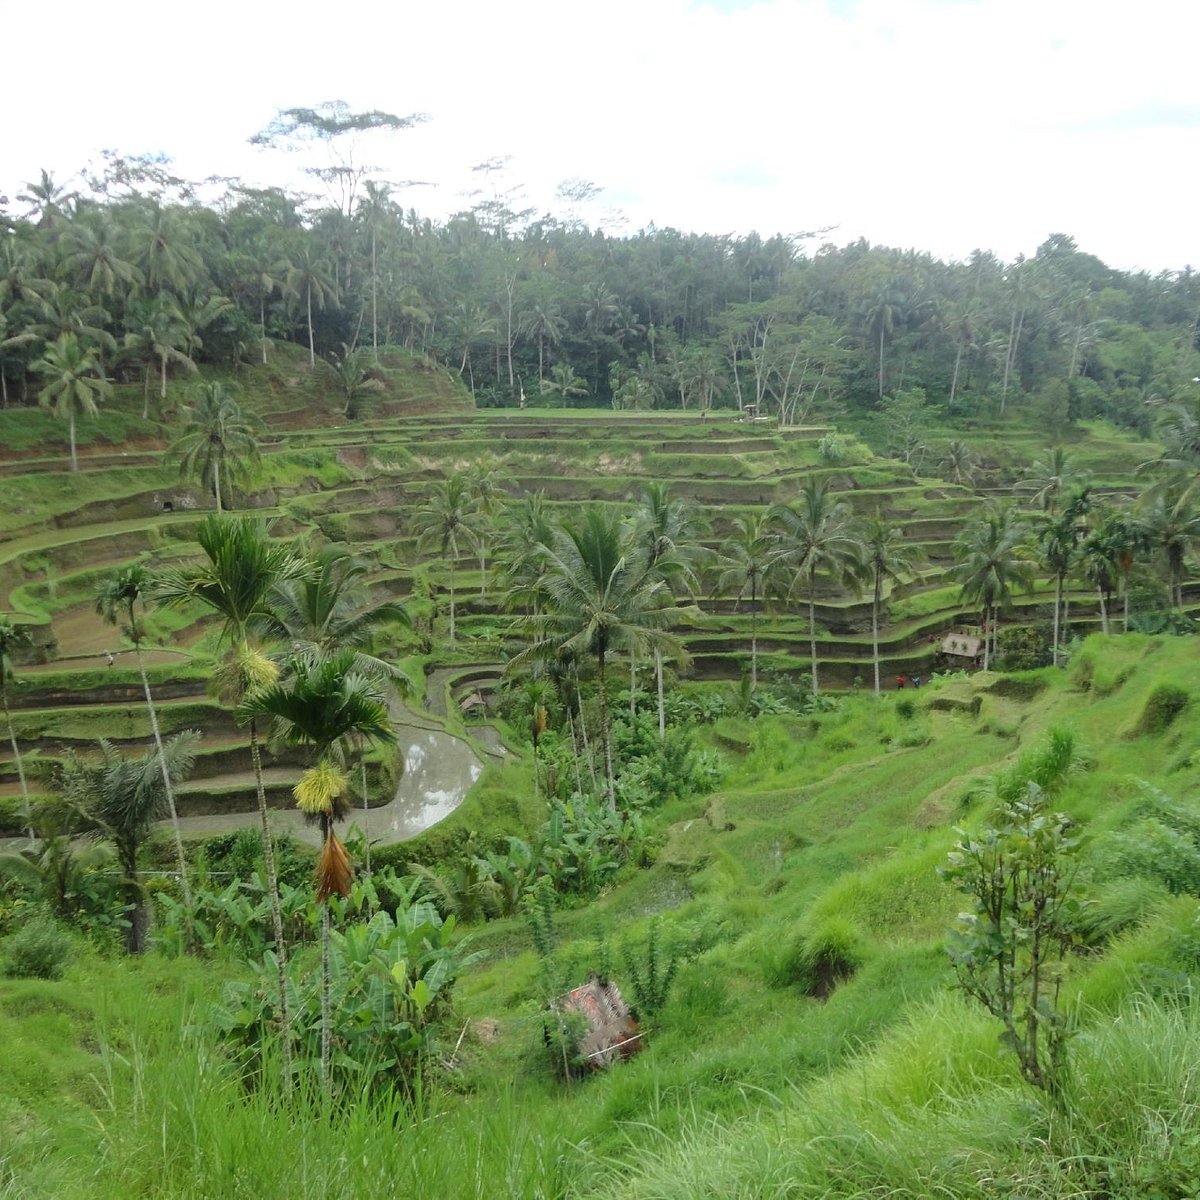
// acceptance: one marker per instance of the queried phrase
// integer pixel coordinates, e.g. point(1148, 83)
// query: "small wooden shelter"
point(962, 646)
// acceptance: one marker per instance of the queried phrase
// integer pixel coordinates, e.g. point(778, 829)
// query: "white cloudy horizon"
point(939, 125)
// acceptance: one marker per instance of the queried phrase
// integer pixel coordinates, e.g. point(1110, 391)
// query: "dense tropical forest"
point(494, 706)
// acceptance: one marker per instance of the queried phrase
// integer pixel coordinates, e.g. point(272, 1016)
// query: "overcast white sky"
point(937, 124)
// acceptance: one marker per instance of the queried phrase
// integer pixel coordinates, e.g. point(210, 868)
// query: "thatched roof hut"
point(609, 1030)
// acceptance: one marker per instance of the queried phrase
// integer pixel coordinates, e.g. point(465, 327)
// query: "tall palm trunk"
point(875, 626)
point(954, 379)
point(162, 387)
point(146, 392)
point(1103, 609)
point(1058, 595)
point(312, 352)
point(217, 482)
point(272, 870)
point(605, 732)
point(262, 324)
point(753, 637)
point(662, 709)
point(1125, 598)
point(169, 789)
point(374, 299)
point(812, 628)
point(27, 811)
point(453, 553)
point(326, 1006)
point(574, 751)
point(987, 609)
point(71, 438)
point(362, 768)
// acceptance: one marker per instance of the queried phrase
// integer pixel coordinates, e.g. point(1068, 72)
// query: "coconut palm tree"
point(885, 556)
point(13, 638)
point(122, 798)
point(992, 561)
point(165, 250)
point(667, 532)
point(236, 582)
point(544, 322)
point(1052, 478)
point(960, 464)
point(746, 562)
point(563, 382)
point(323, 705)
point(306, 277)
point(219, 444)
point(117, 601)
point(75, 384)
point(486, 495)
point(817, 534)
point(351, 373)
point(156, 335)
point(598, 598)
point(446, 519)
point(526, 533)
point(1169, 520)
point(1056, 538)
point(1097, 562)
point(94, 256)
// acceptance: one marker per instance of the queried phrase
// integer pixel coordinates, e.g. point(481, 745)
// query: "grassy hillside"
point(813, 1045)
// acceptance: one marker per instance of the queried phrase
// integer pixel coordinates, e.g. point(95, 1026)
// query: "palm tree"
point(236, 582)
point(351, 374)
point(747, 560)
point(117, 599)
point(564, 382)
point(375, 206)
point(218, 445)
point(484, 485)
point(95, 258)
point(166, 251)
point(122, 798)
point(817, 534)
point(960, 464)
point(599, 597)
point(527, 532)
point(992, 560)
point(325, 704)
point(544, 322)
point(75, 384)
point(470, 323)
point(667, 533)
point(1169, 520)
point(12, 638)
point(882, 313)
point(157, 335)
point(1057, 539)
point(444, 520)
point(885, 556)
point(328, 611)
point(1098, 563)
point(1053, 477)
point(307, 277)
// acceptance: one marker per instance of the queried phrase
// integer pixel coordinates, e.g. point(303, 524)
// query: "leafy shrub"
point(832, 449)
point(906, 707)
point(40, 949)
point(1023, 647)
point(391, 981)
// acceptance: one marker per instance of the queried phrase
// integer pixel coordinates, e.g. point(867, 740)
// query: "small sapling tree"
point(1009, 949)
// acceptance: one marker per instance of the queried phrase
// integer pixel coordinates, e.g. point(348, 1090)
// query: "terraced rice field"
point(360, 483)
